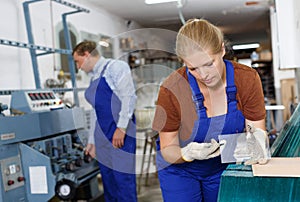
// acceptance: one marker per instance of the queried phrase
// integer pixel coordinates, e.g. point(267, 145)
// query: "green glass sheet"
point(237, 186)
point(287, 143)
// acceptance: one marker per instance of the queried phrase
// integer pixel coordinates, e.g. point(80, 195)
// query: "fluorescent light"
point(274, 107)
point(245, 46)
point(159, 1)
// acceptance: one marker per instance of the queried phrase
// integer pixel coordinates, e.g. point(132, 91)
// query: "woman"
point(207, 97)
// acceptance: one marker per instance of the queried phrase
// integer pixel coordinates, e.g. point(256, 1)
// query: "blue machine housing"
point(51, 142)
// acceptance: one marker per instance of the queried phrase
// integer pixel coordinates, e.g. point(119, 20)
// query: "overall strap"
point(197, 96)
point(231, 88)
point(104, 69)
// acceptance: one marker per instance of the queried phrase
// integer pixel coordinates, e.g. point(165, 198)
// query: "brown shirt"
point(176, 110)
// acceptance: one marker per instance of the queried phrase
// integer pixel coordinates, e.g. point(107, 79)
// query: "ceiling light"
point(245, 46)
point(103, 43)
point(159, 1)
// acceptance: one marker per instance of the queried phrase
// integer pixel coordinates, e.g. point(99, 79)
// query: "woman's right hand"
point(200, 151)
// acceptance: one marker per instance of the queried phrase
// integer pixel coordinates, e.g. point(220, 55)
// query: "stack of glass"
point(249, 188)
point(287, 144)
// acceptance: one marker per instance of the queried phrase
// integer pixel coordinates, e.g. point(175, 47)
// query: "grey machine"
point(42, 151)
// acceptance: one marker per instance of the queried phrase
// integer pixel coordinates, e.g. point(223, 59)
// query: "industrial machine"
point(42, 151)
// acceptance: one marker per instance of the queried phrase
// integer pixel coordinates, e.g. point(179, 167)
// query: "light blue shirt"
point(119, 79)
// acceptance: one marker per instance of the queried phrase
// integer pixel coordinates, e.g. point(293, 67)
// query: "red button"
point(10, 182)
point(20, 179)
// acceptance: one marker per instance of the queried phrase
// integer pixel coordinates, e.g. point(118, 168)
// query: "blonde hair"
point(198, 35)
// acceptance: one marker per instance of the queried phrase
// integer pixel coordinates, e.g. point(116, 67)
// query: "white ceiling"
point(242, 21)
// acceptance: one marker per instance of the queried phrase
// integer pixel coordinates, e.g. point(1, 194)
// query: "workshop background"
point(41, 153)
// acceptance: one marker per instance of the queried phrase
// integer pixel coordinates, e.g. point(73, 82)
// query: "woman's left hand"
point(258, 146)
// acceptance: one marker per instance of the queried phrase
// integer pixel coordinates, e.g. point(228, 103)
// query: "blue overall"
point(117, 166)
point(199, 180)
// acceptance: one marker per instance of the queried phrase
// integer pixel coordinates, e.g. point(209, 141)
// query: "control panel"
point(35, 101)
point(43, 100)
point(12, 174)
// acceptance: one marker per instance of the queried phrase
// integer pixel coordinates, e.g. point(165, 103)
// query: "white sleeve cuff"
point(91, 139)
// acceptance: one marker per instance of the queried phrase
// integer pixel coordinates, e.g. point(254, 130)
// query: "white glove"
point(258, 146)
point(200, 151)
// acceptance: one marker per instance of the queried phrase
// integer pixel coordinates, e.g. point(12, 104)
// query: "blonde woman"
point(207, 97)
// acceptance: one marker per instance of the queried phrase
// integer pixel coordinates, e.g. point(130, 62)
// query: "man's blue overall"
point(117, 166)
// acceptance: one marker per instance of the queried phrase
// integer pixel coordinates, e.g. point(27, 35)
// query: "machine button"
point(10, 182)
point(20, 179)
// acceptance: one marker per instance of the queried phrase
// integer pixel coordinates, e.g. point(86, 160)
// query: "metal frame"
point(56, 90)
point(67, 42)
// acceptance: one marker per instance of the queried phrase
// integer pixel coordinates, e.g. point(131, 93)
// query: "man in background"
point(112, 95)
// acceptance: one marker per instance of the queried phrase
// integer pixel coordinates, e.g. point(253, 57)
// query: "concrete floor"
point(148, 189)
point(150, 192)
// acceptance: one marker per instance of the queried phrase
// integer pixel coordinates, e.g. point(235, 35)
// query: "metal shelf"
point(34, 47)
point(72, 6)
point(46, 50)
